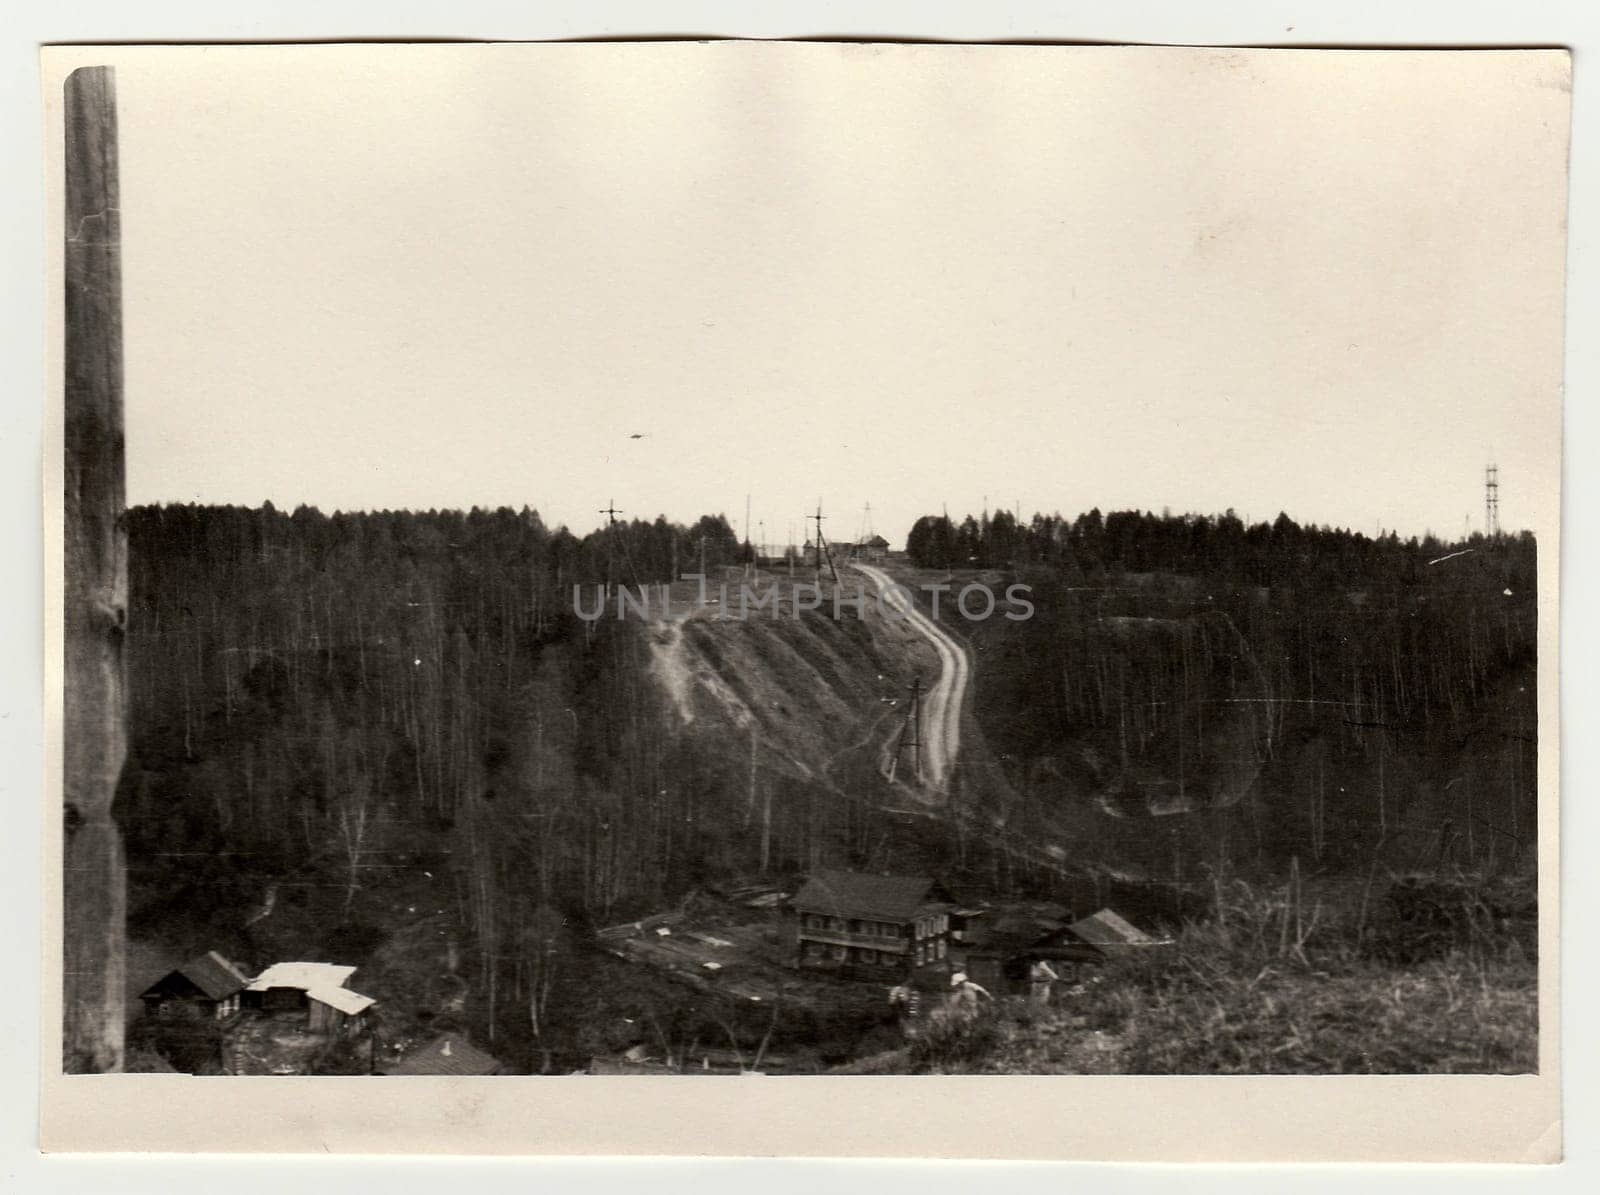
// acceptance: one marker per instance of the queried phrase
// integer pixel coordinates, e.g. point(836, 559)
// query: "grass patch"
point(1274, 983)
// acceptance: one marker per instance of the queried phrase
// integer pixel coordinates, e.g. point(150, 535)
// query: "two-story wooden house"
point(888, 925)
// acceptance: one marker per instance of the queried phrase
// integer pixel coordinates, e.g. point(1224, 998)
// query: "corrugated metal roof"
point(213, 975)
point(850, 893)
point(304, 976)
point(1106, 928)
point(445, 1055)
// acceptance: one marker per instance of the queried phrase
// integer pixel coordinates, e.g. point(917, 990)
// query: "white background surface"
point(1572, 24)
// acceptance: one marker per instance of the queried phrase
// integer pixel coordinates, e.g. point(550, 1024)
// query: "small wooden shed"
point(317, 990)
point(209, 983)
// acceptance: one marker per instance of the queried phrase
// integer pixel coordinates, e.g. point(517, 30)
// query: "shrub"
point(187, 1038)
point(1424, 917)
point(955, 1039)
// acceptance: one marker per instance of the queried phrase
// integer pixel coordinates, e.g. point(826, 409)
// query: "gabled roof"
point(854, 894)
point(1105, 928)
point(214, 975)
point(1011, 931)
point(445, 1055)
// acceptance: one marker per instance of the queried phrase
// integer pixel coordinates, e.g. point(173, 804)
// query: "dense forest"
point(1348, 698)
point(325, 683)
point(342, 722)
point(323, 705)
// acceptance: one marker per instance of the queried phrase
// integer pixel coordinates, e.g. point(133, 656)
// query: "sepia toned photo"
point(807, 561)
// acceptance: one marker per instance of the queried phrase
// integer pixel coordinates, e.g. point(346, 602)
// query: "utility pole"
point(749, 563)
point(816, 542)
point(822, 547)
point(916, 726)
point(611, 512)
point(766, 805)
point(766, 828)
point(750, 803)
point(911, 733)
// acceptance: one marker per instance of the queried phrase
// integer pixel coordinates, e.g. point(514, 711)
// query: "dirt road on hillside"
point(941, 701)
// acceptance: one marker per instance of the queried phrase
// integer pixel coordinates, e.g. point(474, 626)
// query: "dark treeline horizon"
point(1136, 538)
point(988, 539)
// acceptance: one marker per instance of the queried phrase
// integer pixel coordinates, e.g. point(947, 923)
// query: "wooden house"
point(209, 984)
point(874, 549)
point(447, 1054)
point(876, 924)
point(1011, 952)
point(315, 989)
point(1005, 961)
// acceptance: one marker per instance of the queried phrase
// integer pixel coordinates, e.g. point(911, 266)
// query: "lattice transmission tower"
point(1491, 501)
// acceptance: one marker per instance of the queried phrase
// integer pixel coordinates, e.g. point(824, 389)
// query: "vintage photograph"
point(707, 559)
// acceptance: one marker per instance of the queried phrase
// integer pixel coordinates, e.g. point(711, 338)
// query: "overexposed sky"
point(363, 277)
